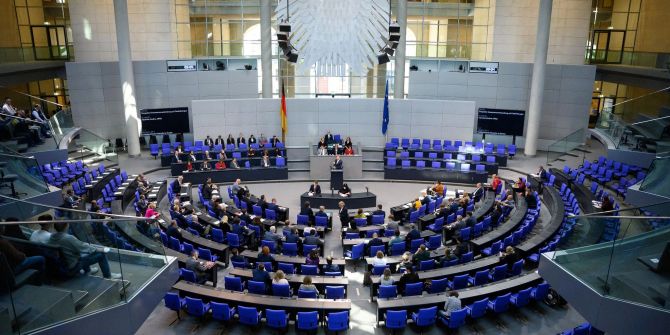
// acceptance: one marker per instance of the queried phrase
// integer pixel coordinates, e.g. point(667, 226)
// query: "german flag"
point(282, 114)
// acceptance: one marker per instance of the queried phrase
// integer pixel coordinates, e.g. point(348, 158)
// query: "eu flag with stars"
point(385, 118)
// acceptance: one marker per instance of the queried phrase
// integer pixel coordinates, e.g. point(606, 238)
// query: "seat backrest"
point(256, 287)
point(311, 270)
point(233, 283)
point(388, 291)
point(426, 316)
point(281, 290)
point(334, 292)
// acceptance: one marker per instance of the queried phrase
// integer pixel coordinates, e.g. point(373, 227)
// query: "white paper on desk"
point(654, 260)
point(186, 203)
point(310, 194)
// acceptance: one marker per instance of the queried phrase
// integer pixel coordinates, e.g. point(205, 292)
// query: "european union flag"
point(385, 118)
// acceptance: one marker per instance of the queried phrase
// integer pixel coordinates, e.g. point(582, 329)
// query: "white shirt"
point(9, 109)
point(37, 116)
point(378, 261)
point(40, 236)
point(282, 281)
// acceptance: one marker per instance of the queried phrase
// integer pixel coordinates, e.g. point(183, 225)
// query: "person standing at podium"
point(337, 163)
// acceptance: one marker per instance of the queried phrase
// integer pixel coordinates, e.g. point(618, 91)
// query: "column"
point(266, 48)
point(399, 87)
point(133, 122)
point(537, 83)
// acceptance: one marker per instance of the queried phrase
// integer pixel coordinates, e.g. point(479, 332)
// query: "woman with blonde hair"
point(279, 278)
point(386, 278)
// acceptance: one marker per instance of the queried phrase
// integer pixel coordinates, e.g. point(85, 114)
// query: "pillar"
point(133, 122)
point(266, 48)
point(399, 73)
point(537, 83)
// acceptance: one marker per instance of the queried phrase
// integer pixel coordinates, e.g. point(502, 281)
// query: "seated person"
point(348, 151)
point(413, 233)
point(251, 153)
point(312, 239)
point(173, 230)
point(375, 241)
point(292, 236)
point(206, 155)
point(348, 143)
point(396, 238)
point(360, 214)
point(151, 211)
point(271, 235)
point(421, 255)
point(264, 255)
point(234, 164)
point(386, 278)
point(220, 165)
point(330, 267)
point(321, 212)
point(18, 261)
point(177, 157)
point(260, 275)
point(452, 304)
point(448, 257)
point(379, 211)
point(379, 259)
point(438, 188)
point(265, 160)
point(322, 150)
point(531, 201)
point(199, 267)
point(222, 154)
point(191, 157)
point(176, 185)
point(313, 257)
point(279, 278)
point(315, 188)
point(308, 286)
point(79, 256)
point(205, 166)
point(71, 200)
point(520, 186)
point(307, 210)
point(409, 277)
point(345, 191)
point(42, 235)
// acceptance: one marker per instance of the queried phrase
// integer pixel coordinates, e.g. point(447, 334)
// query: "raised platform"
point(230, 175)
point(429, 174)
point(330, 201)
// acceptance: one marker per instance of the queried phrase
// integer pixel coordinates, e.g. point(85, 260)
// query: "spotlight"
point(394, 37)
point(283, 45)
point(282, 36)
point(383, 58)
point(292, 57)
point(394, 28)
point(389, 51)
point(286, 28)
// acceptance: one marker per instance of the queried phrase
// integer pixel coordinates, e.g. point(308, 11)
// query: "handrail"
point(652, 120)
point(640, 97)
point(73, 210)
point(32, 96)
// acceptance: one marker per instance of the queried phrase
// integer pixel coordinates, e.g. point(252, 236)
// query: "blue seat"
point(221, 311)
point(356, 252)
point(307, 248)
point(360, 222)
point(249, 316)
point(415, 244)
point(428, 264)
point(378, 270)
point(240, 265)
point(395, 319)
point(321, 221)
point(517, 267)
point(207, 254)
point(276, 319)
point(493, 249)
point(256, 287)
point(233, 240)
point(307, 294)
point(195, 307)
point(303, 219)
point(460, 282)
point(217, 235)
point(466, 257)
point(307, 321)
point(376, 219)
point(388, 291)
point(480, 278)
point(311, 270)
point(351, 236)
point(270, 214)
point(522, 298)
point(188, 275)
point(334, 292)
point(425, 317)
point(437, 226)
point(375, 248)
point(540, 291)
point(465, 234)
point(281, 290)
point(440, 285)
point(397, 249)
point(233, 284)
point(477, 309)
point(174, 302)
point(288, 268)
point(455, 319)
point(413, 289)
point(500, 304)
point(270, 244)
point(499, 273)
point(338, 321)
point(290, 249)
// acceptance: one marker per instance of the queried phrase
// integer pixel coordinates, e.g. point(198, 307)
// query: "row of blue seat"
point(449, 166)
point(276, 319)
point(279, 290)
point(425, 317)
point(199, 146)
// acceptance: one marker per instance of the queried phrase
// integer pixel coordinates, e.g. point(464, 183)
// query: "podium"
point(336, 179)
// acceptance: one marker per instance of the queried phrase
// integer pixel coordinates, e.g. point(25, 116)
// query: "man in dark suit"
point(307, 210)
point(241, 140)
point(315, 188)
point(337, 163)
point(375, 241)
point(176, 158)
point(478, 193)
point(312, 239)
point(292, 236)
point(262, 203)
point(176, 185)
point(273, 205)
point(321, 212)
point(344, 216)
point(260, 275)
point(200, 268)
point(173, 230)
point(442, 212)
point(219, 141)
point(329, 138)
point(379, 211)
point(413, 233)
point(209, 142)
point(244, 217)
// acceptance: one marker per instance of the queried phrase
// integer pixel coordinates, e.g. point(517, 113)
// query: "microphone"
point(367, 190)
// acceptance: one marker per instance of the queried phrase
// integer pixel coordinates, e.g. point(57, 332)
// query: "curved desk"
point(430, 174)
point(330, 201)
point(229, 175)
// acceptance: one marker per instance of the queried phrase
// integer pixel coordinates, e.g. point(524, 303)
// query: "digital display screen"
point(165, 121)
point(501, 121)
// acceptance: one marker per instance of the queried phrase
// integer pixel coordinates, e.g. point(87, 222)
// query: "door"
point(607, 46)
point(49, 42)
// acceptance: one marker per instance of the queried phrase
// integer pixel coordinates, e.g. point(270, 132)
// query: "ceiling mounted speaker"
point(383, 58)
point(394, 28)
point(283, 45)
point(286, 28)
point(394, 37)
point(393, 45)
point(282, 36)
point(389, 51)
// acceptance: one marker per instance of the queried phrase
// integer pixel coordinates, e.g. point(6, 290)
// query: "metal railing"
point(565, 145)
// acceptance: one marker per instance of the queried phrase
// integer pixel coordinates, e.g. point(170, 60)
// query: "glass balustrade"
point(61, 123)
point(565, 145)
point(20, 176)
point(657, 180)
point(90, 148)
point(53, 282)
point(635, 268)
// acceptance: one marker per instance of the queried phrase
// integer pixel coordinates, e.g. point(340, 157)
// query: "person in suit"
point(329, 138)
point(173, 230)
point(273, 205)
point(200, 268)
point(71, 200)
point(321, 212)
point(274, 141)
point(251, 153)
point(409, 277)
point(264, 255)
point(478, 193)
point(307, 210)
point(219, 141)
point(509, 257)
point(260, 275)
point(344, 215)
point(413, 233)
point(379, 211)
point(265, 161)
point(234, 164)
point(262, 203)
point(176, 185)
point(345, 191)
point(230, 139)
point(209, 142)
point(375, 241)
point(222, 154)
point(312, 239)
point(442, 212)
point(330, 267)
point(205, 166)
point(244, 216)
point(271, 235)
point(531, 201)
point(191, 157)
point(177, 157)
point(252, 139)
point(542, 173)
point(315, 188)
point(392, 224)
point(337, 163)
point(206, 155)
point(241, 140)
point(292, 236)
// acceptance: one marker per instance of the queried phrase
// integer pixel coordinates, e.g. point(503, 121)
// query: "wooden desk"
point(348, 243)
point(554, 204)
point(291, 305)
point(295, 280)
